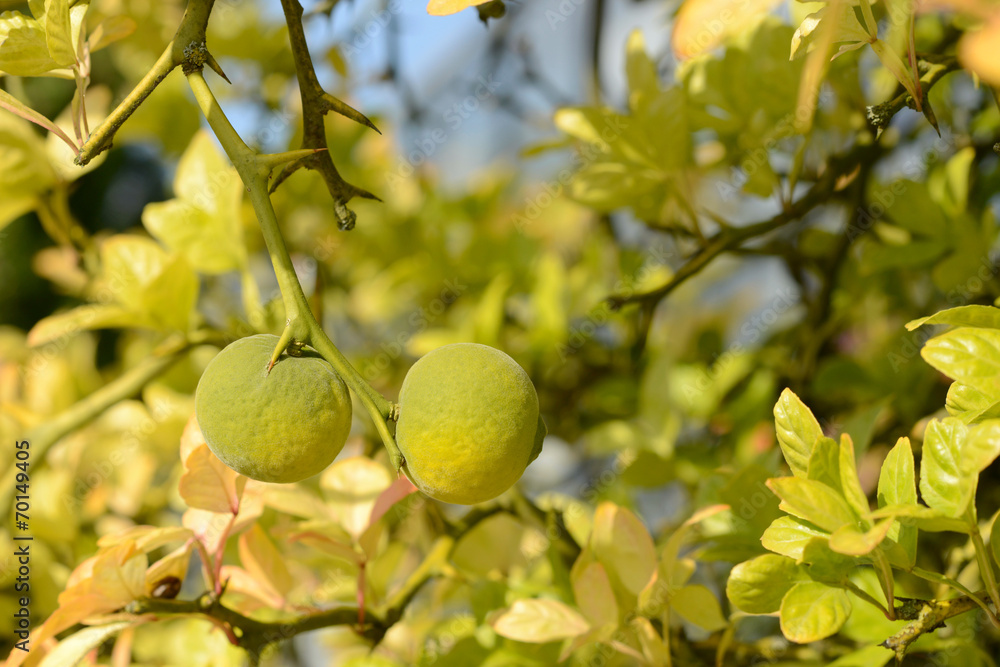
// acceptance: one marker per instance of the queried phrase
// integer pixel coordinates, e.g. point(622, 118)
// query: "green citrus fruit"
point(281, 426)
point(468, 423)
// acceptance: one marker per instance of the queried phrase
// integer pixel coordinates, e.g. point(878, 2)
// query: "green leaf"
point(59, 31)
point(970, 356)
point(25, 173)
point(593, 594)
point(698, 605)
point(970, 404)
point(811, 611)
point(19, 108)
point(826, 565)
point(995, 539)
point(539, 621)
point(640, 70)
point(897, 485)
point(622, 544)
point(981, 448)
point(824, 463)
point(913, 209)
point(984, 317)
point(923, 518)
point(797, 431)
point(70, 651)
point(203, 222)
point(850, 541)
point(849, 481)
point(757, 586)
point(88, 317)
point(812, 501)
point(140, 285)
point(23, 48)
point(943, 483)
point(788, 536)
point(869, 656)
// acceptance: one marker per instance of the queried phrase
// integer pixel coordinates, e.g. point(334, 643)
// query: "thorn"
point(272, 160)
point(211, 62)
point(331, 103)
point(929, 115)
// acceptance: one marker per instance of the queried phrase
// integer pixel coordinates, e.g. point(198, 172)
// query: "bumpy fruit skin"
point(282, 426)
point(468, 423)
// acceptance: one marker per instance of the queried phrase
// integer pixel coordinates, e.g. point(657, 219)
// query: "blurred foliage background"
point(505, 221)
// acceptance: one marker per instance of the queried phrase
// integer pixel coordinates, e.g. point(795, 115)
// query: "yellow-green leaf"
point(539, 621)
point(446, 7)
point(797, 431)
point(622, 544)
point(811, 611)
point(23, 48)
point(698, 605)
point(757, 586)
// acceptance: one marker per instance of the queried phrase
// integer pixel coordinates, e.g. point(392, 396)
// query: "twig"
point(732, 237)
point(927, 615)
point(254, 635)
point(190, 32)
point(316, 103)
point(45, 435)
point(879, 115)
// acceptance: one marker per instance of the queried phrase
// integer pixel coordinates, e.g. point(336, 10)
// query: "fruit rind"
point(468, 422)
point(279, 426)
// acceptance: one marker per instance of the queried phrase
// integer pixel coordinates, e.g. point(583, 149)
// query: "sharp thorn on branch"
point(214, 64)
point(331, 103)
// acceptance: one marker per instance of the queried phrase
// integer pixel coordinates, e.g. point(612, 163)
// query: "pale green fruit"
point(468, 423)
point(282, 426)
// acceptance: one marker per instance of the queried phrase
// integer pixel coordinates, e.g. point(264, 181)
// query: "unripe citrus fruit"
point(281, 426)
point(468, 423)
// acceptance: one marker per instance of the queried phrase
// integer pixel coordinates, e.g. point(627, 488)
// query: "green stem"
point(936, 578)
point(301, 324)
point(884, 570)
point(890, 612)
point(190, 32)
point(45, 435)
point(985, 566)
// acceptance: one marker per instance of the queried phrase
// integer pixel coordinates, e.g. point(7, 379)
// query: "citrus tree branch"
point(191, 32)
point(731, 238)
point(933, 70)
point(301, 325)
point(254, 635)
point(926, 616)
point(316, 103)
point(43, 436)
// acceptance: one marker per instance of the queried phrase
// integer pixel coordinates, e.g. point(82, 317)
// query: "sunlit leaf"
point(23, 48)
point(264, 562)
point(811, 611)
point(789, 536)
point(74, 648)
point(897, 486)
point(701, 25)
point(539, 621)
point(944, 486)
point(204, 222)
point(797, 430)
point(446, 7)
point(698, 605)
point(623, 545)
point(986, 317)
point(812, 501)
point(594, 596)
point(757, 586)
point(209, 484)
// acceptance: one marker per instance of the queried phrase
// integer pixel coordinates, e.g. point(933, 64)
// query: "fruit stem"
point(301, 325)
